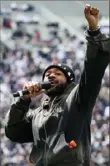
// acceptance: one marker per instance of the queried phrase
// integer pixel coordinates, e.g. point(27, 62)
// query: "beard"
point(57, 90)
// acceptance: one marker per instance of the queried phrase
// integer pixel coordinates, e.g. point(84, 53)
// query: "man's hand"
point(92, 16)
point(33, 88)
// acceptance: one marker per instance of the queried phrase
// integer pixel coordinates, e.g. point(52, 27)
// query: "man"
point(60, 127)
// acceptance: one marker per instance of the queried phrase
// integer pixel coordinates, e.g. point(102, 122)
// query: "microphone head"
point(46, 85)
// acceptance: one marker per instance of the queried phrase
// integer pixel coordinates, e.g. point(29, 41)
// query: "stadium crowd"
point(30, 55)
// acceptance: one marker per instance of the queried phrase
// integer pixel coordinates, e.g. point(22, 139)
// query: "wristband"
point(94, 32)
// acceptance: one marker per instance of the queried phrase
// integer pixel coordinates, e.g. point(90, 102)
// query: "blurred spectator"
point(7, 23)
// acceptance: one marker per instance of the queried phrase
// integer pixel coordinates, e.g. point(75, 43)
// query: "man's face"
point(57, 79)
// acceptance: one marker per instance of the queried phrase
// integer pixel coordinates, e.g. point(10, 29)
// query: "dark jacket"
point(68, 117)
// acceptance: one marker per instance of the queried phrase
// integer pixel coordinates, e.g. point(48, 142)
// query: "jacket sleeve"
point(96, 61)
point(100, 39)
point(17, 127)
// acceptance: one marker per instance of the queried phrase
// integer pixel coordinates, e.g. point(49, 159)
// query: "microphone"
point(43, 85)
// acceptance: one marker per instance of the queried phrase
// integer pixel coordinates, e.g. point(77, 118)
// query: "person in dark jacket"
point(60, 127)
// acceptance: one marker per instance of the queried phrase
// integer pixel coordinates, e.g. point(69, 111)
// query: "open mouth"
point(53, 83)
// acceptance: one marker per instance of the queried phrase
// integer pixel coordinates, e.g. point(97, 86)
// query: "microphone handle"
point(21, 93)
